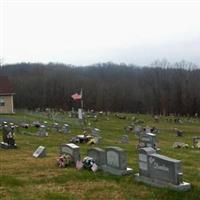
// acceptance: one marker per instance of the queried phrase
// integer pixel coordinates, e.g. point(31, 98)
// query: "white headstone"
point(80, 114)
point(40, 152)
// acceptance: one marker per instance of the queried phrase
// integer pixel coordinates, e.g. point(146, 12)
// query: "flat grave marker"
point(40, 152)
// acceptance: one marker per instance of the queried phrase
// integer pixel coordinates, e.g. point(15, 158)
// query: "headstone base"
point(118, 172)
point(158, 183)
point(7, 146)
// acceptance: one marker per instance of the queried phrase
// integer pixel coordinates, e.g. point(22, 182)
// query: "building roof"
point(5, 85)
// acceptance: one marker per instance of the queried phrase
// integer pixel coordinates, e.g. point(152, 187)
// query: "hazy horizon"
point(88, 32)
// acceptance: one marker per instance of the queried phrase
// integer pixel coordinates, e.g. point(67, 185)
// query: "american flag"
point(94, 167)
point(79, 164)
point(77, 96)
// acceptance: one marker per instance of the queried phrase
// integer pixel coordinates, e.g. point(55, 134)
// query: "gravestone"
point(147, 129)
point(72, 150)
point(40, 152)
point(96, 132)
point(147, 140)
point(98, 155)
point(156, 118)
point(161, 171)
point(80, 114)
point(128, 129)
point(24, 125)
point(124, 139)
point(65, 128)
point(116, 161)
point(180, 145)
point(138, 131)
point(42, 131)
point(56, 127)
point(36, 124)
point(196, 142)
point(179, 133)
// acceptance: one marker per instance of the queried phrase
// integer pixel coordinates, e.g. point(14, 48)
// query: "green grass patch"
point(24, 177)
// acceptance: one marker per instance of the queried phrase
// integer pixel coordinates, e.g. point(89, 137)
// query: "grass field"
point(24, 177)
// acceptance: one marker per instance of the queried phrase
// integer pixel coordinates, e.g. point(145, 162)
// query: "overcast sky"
point(86, 32)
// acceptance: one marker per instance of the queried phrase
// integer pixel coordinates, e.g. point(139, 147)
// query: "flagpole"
point(81, 98)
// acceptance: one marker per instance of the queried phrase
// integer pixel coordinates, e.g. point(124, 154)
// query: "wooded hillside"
point(161, 88)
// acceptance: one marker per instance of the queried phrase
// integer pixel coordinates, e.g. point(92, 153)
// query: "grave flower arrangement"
point(89, 163)
point(64, 161)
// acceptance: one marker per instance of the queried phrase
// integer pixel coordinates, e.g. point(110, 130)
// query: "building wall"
point(8, 107)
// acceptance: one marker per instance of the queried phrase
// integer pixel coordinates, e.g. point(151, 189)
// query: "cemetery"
point(124, 165)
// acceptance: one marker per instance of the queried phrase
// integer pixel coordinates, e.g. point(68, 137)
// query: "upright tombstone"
point(24, 125)
point(124, 139)
point(147, 129)
point(116, 161)
point(147, 140)
point(40, 152)
point(65, 128)
point(36, 124)
point(80, 114)
point(143, 164)
point(161, 171)
point(42, 131)
point(96, 132)
point(56, 127)
point(179, 133)
point(138, 131)
point(196, 142)
point(71, 149)
point(98, 155)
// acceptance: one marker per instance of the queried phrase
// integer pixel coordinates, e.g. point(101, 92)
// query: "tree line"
point(161, 88)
